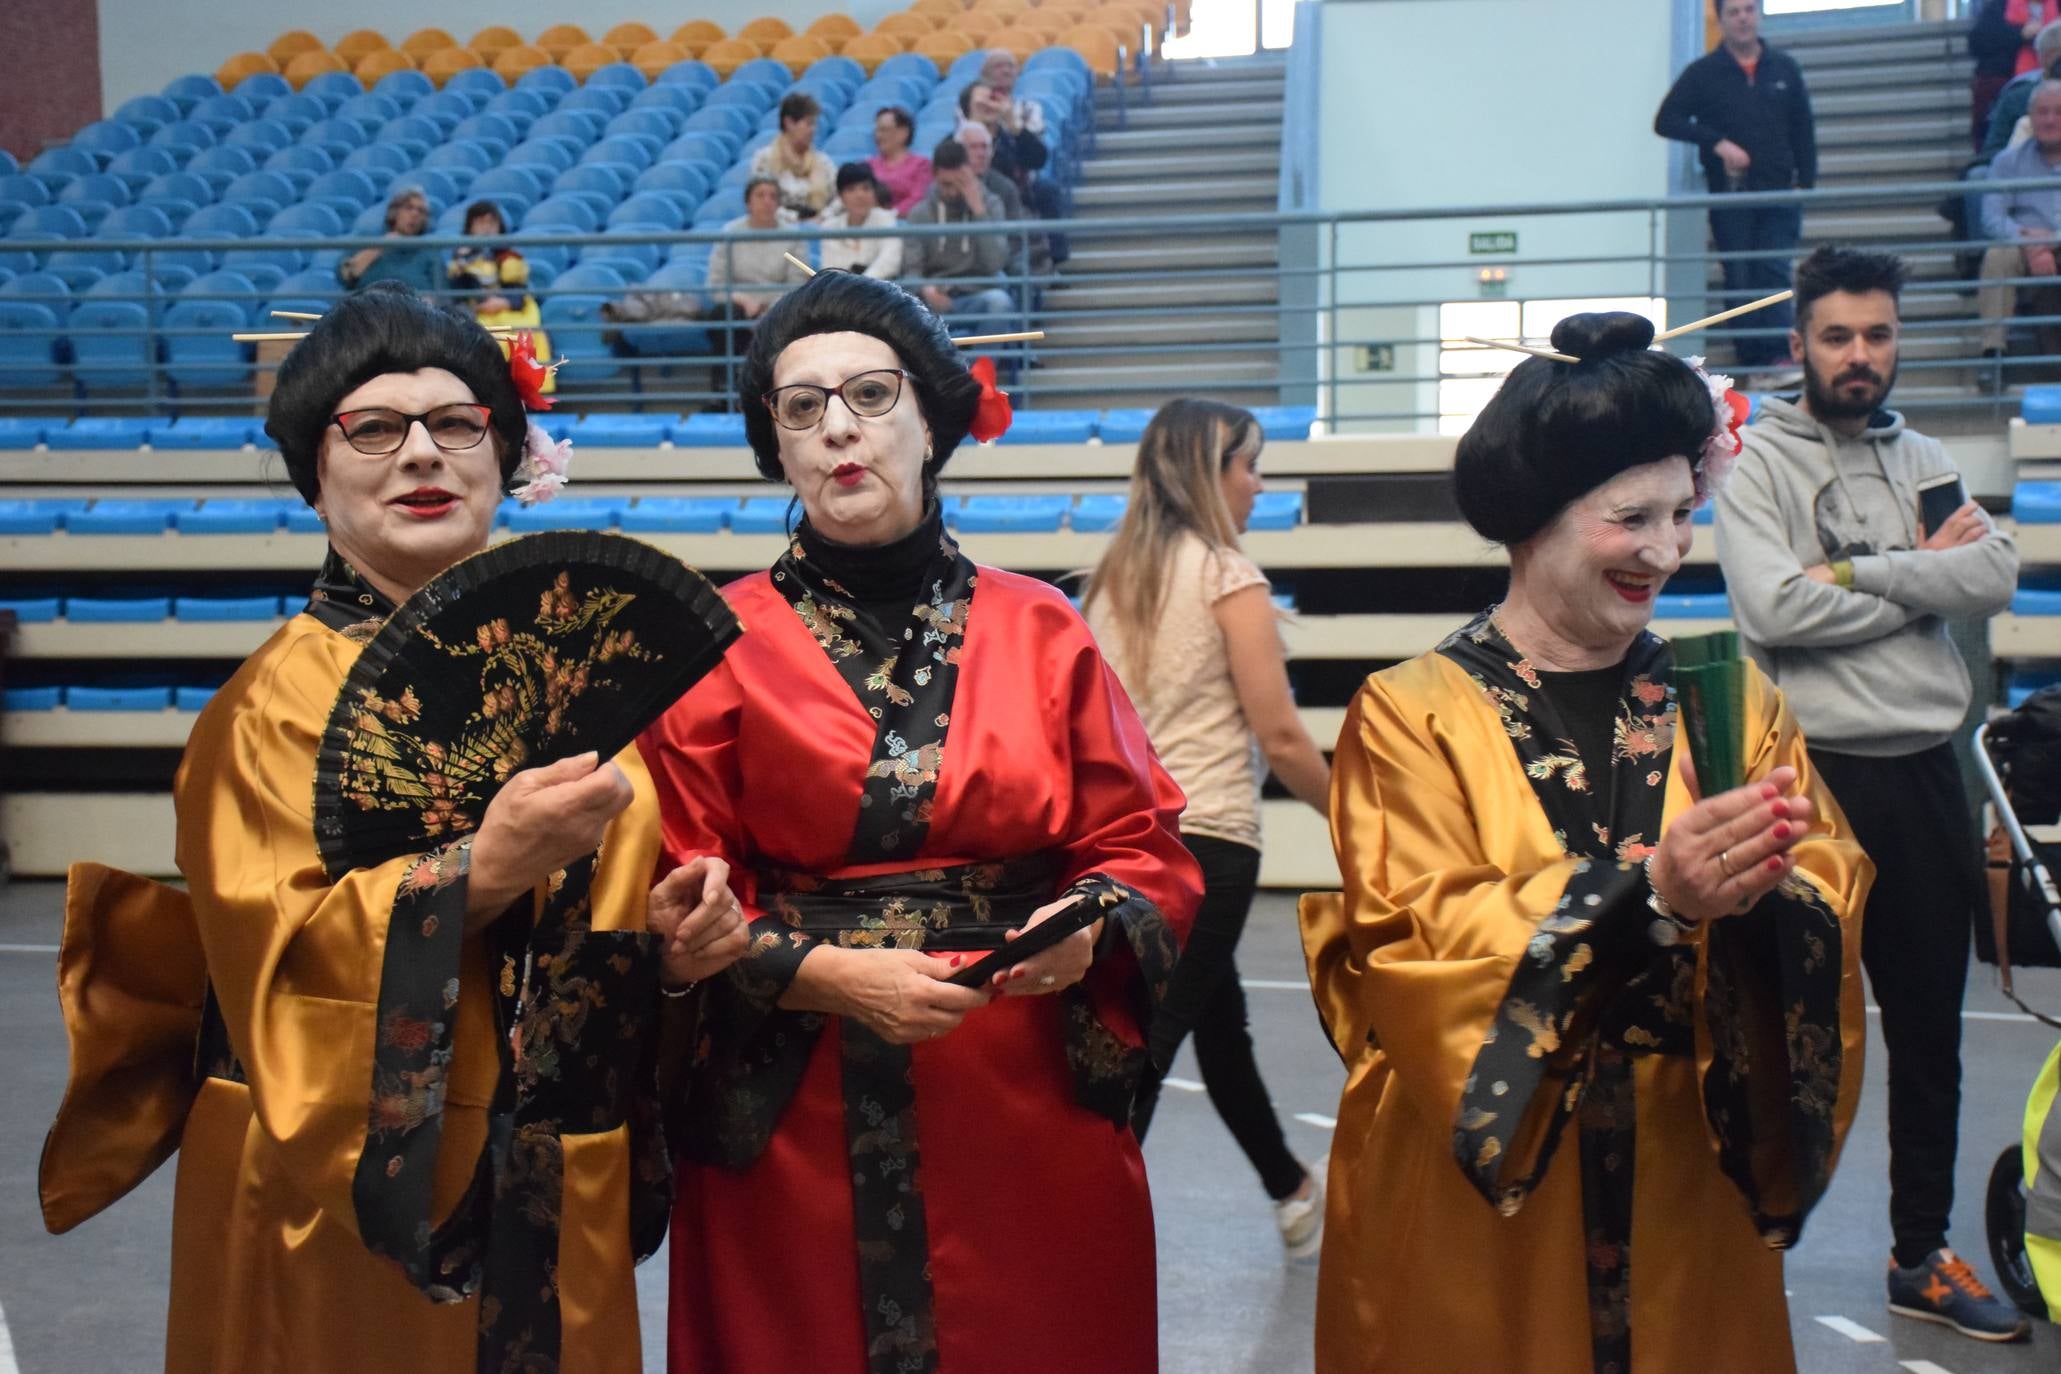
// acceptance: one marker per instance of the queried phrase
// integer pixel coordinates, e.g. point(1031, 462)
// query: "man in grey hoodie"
point(1842, 596)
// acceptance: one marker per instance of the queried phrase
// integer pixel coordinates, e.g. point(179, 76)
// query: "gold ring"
point(1047, 981)
point(1725, 863)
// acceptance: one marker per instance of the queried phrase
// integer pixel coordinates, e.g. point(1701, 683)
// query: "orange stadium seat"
point(493, 40)
point(1021, 42)
point(1132, 15)
point(421, 43)
point(906, 25)
point(385, 62)
point(834, 29)
point(1094, 43)
point(947, 10)
point(511, 63)
point(306, 66)
point(445, 63)
point(869, 50)
point(696, 34)
point(291, 44)
point(1001, 9)
point(242, 65)
point(730, 54)
point(979, 28)
point(628, 37)
point(359, 44)
point(944, 47)
point(766, 31)
point(587, 59)
point(798, 52)
point(560, 39)
point(653, 58)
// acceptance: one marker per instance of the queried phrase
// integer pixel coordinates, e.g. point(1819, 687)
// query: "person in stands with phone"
point(1842, 589)
point(916, 761)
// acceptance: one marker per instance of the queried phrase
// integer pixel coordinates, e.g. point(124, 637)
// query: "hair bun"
point(1599, 335)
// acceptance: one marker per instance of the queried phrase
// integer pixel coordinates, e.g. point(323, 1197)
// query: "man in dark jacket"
point(1744, 106)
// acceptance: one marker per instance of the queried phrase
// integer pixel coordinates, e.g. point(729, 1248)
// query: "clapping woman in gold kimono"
point(1603, 1034)
point(345, 1182)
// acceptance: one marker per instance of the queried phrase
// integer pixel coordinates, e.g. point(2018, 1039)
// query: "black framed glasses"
point(453, 428)
point(866, 394)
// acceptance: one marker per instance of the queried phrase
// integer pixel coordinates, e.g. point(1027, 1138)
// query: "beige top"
point(1190, 705)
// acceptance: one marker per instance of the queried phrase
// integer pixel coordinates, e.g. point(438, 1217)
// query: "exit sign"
point(1498, 241)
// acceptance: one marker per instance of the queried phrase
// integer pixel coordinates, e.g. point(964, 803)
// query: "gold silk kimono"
point(269, 1268)
point(1563, 1145)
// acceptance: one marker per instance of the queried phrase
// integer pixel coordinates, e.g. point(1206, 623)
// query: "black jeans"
point(1762, 228)
point(1911, 816)
point(1204, 996)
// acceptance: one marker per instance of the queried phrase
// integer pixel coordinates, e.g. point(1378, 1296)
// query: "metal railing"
point(1336, 310)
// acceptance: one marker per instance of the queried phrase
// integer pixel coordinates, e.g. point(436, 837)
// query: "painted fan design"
point(533, 651)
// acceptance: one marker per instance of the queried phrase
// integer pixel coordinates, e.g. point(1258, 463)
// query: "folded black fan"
point(533, 651)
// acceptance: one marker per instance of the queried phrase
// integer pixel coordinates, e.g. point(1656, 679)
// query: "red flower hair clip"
point(991, 418)
point(527, 373)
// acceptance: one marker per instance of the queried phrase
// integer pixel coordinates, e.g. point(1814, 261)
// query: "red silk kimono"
point(1040, 1244)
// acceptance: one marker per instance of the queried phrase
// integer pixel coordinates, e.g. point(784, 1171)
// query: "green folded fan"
point(1710, 686)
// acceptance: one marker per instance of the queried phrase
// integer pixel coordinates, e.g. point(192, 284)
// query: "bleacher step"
point(1873, 44)
point(1120, 142)
point(1875, 166)
point(1873, 131)
point(1203, 198)
point(1910, 74)
point(1175, 93)
point(1193, 167)
point(1148, 254)
point(1856, 224)
point(1205, 115)
point(1259, 289)
point(1892, 102)
point(1256, 328)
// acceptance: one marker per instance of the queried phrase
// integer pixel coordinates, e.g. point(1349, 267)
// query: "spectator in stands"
point(858, 207)
point(749, 272)
point(980, 156)
point(903, 175)
point(995, 101)
point(1843, 596)
point(1017, 128)
point(802, 171)
point(2022, 227)
point(407, 216)
point(962, 274)
point(2001, 130)
point(2003, 42)
point(1744, 106)
point(1187, 622)
point(495, 282)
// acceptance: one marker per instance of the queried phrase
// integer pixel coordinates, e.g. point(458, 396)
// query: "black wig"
point(833, 302)
point(385, 328)
point(1556, 431)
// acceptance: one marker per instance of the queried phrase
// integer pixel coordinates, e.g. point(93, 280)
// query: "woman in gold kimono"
point(1544, 934)
point(342, 1149)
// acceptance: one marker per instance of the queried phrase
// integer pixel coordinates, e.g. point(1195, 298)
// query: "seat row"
point(104, 697)
point(143, 608)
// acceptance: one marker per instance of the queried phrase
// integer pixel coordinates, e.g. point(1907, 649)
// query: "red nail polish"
point(1781, 830)
point(1770, 791)
point(955, 961)
point(1774, 865)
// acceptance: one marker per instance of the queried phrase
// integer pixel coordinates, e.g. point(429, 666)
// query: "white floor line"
point(1982, 1015)
point(1852, 1330)
point(28, 949)
point(7, 1364)
point(1923, 1367)
point(1276, 984)
point(1186, 1085)
point(1301, 985)
point(1322, 1123)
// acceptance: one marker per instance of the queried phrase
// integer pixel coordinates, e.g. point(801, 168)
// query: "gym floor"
point(1229, 1303)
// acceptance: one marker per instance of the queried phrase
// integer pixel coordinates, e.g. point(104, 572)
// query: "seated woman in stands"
point(904, 175)
point(1602, 1026)
point(413, 266)
point(341, 1158)
point(906, 1173)
point(802, 171)
point(495, 282)
point(858, 207)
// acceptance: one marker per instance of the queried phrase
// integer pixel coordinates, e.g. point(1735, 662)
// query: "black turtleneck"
point(884, 581)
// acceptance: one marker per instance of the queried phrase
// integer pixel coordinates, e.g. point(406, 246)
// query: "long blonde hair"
point(1176, 489)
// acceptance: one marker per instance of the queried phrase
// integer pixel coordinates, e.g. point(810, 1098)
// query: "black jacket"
point(1994, 41)
point(1770, 117)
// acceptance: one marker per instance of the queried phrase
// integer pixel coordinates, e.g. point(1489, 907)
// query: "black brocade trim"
point(345, 601)
point(1106, 1071)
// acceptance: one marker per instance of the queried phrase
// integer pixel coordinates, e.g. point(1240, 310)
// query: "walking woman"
point(1187, 621)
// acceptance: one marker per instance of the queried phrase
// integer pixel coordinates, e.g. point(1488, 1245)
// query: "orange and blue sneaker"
point(1944, 1289)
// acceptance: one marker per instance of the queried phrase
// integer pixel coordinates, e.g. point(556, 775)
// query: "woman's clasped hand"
point(1724, 853)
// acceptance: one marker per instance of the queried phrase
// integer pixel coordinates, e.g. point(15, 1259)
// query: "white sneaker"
point(1301, 1219)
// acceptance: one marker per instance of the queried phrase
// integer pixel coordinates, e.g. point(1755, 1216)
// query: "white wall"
point(145, 43)
point(1451, 103)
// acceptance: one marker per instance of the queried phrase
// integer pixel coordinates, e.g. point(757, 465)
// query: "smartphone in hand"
point(1938, 498)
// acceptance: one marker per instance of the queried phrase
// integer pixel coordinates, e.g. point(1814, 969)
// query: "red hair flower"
point(527, 373)
point(992, 416)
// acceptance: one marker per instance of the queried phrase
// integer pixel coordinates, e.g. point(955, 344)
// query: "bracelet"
point(1842, 573)
point(1669, 929)
point(680, 991)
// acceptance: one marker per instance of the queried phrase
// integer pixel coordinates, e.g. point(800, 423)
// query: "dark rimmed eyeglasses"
point(865, 394)
point(453, 428)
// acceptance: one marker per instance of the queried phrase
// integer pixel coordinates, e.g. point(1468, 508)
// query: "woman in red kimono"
point(906, 760)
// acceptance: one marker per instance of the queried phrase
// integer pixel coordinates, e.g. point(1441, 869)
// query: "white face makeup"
point(1591, 576)
point(404, 517)
point(860, 478)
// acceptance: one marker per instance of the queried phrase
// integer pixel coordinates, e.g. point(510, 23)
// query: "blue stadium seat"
point(677, 515)
point(404, 87)
point(235, 516)
point(689, 181)
point(339, 138)
point(346, 191)
point(136, 222)
point(223, 222)
point(572, 315)
point(521, 107)
point(1014, 514)
point(1276, 510)
point(613, 430)
point(634, 151)
point(556, 423)
point(269, 190)
point(679, 98)
point(334, 88)
point(192, 698)
point(105, 138)
point(37, 517)
point(18, 432)
point(761, 515)
point(2036, 601)
point(709, 431)
point(687, 272)
point(138, 167)
point(1098, 512)
point(446, 109)
point(710, 148)
point(204, 432)
point(183, 139)
point(29, 335)
point(261, 88)
point(186, 92)
point(222, 112)
point(661, 124)
point(32, 610)
point(490, 131)
point(480, 81)
point(111, 348)
point(221, 165)
point(220, 608)
point(19, 194)
point(148, 113)
point(2042, 405)
point(1690, 605)
point(568, 213)
point(913, 64)
point(618, 74)
point(843, 69)
point(300, 164)
point(550, 78)
point(199, 349)
point(296, 111)
point(117, 610)
point(578, 127)
point(753, 97)
point(263, 137)
point(304, 520)
point(116, 433)
point(466, 154)
point(437, 183)
point(126, 516)
point(568, 513)
point(523, 183)
point(699, 75)
point(1285, 422)
point(606, 181)
point(56, 166)
point(2036, 503)
point(1050, 427)
point(605, 101)
point(629, 248)
point(737, 121)
point(31, 698)
point(966, 67)
point(1123, 426)
point(98, 698)
point(763, 71)
point(381, 162)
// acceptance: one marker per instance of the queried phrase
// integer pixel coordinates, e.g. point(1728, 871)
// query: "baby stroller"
point(2018, 756)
